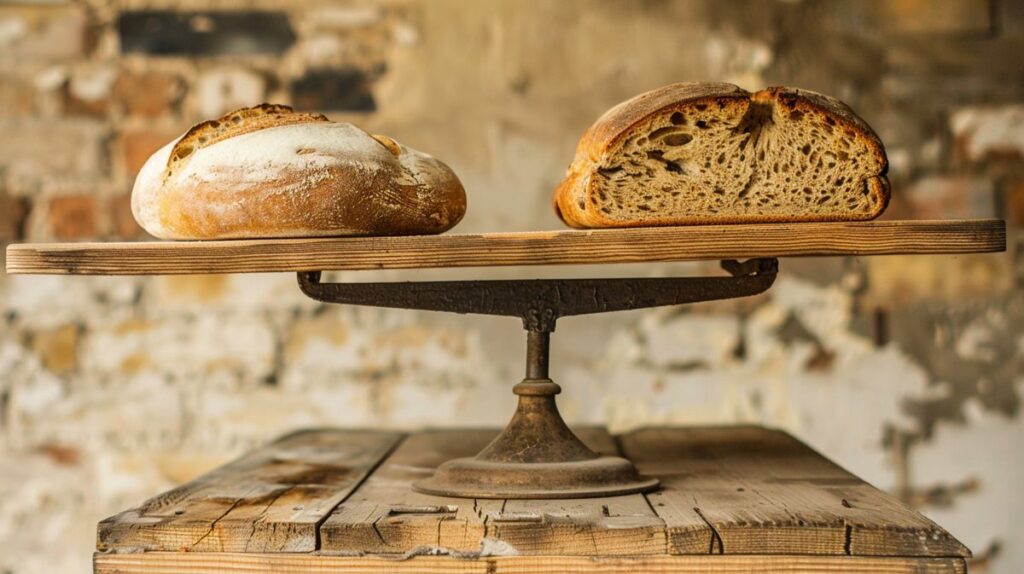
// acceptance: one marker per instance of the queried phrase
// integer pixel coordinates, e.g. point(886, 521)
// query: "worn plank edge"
point(119, 531)
point(632, 245)
point(201, 563)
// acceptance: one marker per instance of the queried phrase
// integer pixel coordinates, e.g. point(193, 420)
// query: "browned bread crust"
point(270, 172)
point(580, 200)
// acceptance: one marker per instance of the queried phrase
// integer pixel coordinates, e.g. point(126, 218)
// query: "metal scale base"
point(536, 455)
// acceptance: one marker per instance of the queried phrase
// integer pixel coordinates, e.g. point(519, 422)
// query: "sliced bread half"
point(714, 153)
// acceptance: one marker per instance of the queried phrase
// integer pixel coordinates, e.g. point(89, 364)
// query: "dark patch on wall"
point(168, 32)
point(347, 89)
point(793, 331)
point(931, 334)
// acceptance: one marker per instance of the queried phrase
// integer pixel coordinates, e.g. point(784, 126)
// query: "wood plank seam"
point(356, 488)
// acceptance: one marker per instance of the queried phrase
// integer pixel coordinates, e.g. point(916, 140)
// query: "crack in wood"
point(218, 519)
point(715, 536)
point(376, 530)
point(263, 514)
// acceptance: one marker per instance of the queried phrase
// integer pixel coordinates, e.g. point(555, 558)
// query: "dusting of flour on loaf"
point(262, 156)
point(145, 191)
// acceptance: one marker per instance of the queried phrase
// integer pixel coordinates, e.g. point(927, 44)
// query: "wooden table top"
point(733, 499)
point(890, 237)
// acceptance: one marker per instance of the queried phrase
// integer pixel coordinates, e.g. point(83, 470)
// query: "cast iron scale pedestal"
point(537, 456)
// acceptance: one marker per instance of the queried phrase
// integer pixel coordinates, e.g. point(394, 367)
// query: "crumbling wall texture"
point(907, 370)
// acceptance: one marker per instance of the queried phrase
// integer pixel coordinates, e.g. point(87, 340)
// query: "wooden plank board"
point(759, 491)
point(501, 249)
point(209, 563)
point(270, 500)
point(603, 526)
point(734, 499)
point(385, 516)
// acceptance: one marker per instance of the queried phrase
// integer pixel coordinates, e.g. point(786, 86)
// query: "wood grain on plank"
point(603, 526)
point(760, 491)
point(386, 516)
point(209, 563)
point(270, 500)
point(504, 249)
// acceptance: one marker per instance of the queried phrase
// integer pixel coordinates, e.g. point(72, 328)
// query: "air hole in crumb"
point(673, 167)
point(806, 149)
point(662, 132)
point(677, 118)
point(678, 139)
point(701, 124)
point(721, 158)
point(719, 191)
point(701, 107)
point(796, 115)
point(609, 171)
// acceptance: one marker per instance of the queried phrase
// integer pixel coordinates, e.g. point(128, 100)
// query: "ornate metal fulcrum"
point(536, 455)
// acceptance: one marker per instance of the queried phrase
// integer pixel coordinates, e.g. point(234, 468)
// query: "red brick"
point(984, 133)
point(57, 32)
point(121, 218)
point(1014, 198)
point(13, 211)
point(73, 217)
point(88, 108)
point(17, 96)
point(150, 94)
point(136, 147)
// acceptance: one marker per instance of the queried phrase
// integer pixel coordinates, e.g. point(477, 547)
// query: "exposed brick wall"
point(907, 370)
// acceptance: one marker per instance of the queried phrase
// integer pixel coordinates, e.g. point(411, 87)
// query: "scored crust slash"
point(715, 153)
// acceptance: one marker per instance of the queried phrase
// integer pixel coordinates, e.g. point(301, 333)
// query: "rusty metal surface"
point(537, 455)
point(540, 302)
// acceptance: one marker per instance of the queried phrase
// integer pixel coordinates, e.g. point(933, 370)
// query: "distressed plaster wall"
point(905, 370)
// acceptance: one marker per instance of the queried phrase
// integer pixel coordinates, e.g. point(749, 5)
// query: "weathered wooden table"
point(733, 499)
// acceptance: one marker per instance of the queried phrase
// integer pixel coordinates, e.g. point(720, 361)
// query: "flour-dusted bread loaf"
point(270, 172)
point(714, 153)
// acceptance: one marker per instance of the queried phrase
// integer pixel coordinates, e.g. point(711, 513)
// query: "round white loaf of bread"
point(270, 172)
